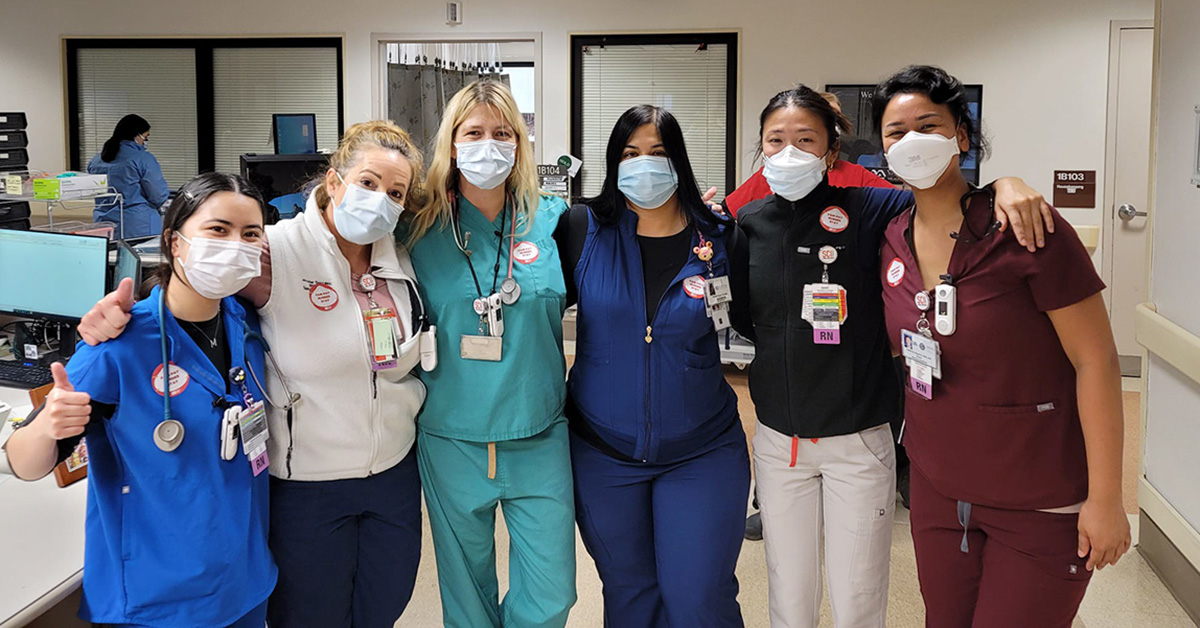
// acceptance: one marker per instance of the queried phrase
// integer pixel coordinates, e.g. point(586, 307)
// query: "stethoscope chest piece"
point(168, 435)
point(510, 291)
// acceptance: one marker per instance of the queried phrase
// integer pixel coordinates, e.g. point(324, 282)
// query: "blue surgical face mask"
point(647, 181)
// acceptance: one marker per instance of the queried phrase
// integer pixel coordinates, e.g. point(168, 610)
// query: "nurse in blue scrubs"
point(134, 172)
point(492, 433)
point(177, 507)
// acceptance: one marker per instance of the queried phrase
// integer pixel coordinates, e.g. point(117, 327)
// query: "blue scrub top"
point(524, 393)
point(173, 538)
point(135, 173)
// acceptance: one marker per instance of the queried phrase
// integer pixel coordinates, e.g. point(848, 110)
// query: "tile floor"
point(1128, 595)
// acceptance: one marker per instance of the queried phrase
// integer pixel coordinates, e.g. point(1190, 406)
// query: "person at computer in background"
point(176, 530)
point(135, 173)
point(842, 174)
point(345, 490)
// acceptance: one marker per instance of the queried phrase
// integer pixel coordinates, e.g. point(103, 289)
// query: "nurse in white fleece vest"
point(345, 524)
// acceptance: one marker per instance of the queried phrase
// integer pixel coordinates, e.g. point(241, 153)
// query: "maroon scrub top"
point(1003, 427)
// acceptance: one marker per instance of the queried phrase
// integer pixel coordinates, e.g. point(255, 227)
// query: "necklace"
point(212, 342)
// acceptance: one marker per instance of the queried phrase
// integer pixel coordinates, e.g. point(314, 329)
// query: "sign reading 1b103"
point(1074, 188)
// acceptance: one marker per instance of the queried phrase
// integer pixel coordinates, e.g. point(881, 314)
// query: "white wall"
point(1173, 411)
point(1043, 64)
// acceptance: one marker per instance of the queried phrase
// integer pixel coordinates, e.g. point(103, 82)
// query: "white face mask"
point(365, 216)
point(647, 181)
point(921, 158)
point(793, 173)
point(486, 163)
point(220, 268)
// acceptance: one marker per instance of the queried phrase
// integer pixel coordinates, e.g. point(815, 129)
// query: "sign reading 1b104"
point(1074, 188)
point(553, 179)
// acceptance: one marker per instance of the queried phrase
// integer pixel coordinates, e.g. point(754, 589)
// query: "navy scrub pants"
point(665, 537)
point(347, 550)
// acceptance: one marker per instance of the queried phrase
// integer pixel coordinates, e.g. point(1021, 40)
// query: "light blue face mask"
point(647, 181)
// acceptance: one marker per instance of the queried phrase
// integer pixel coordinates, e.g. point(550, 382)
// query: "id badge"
point(824, 307)
point(483, 348)
point(921, 380)
point(923, 350)
point(253, 423)
point(383, 331)
point(716, 291)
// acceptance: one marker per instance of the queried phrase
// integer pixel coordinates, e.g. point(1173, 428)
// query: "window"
point(158, 84)
point(208, 100)
point(694, 76)
point(251, 84)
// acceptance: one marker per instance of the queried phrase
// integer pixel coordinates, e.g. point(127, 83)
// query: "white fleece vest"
point(350, 421)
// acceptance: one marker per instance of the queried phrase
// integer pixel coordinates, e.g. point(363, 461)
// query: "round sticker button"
point(323, 297)
point(694, 286)
point(895, 272)
point(526, 252)
point(835, 219)
point(827, 255)
point(922, 301)
point(179, 380)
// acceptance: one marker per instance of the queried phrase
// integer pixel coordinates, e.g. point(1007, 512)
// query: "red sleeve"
point(847, 175)
point(1061, 274)
point(754, 188)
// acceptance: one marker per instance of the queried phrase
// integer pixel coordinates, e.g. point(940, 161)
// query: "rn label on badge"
point(526, 252)
point(179, 380)
point(895, 272)
point(694, 286)
point(323, 297)
point(835, 219)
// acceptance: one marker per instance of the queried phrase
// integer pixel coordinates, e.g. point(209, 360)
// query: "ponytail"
point(128, 128)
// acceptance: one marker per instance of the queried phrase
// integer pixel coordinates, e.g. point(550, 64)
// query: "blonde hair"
point(375, 134)
point(522, 183)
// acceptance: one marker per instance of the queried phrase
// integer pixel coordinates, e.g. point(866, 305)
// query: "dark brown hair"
point(191, 196)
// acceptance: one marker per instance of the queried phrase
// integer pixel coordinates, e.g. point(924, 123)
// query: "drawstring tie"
point(964, 519)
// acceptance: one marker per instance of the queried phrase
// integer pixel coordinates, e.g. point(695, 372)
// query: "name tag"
point(483, 348)
point(253, 424)
point(923, 350)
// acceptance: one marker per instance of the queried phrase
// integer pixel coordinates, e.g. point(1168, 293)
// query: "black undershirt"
point(662, 259)
point(202, 333)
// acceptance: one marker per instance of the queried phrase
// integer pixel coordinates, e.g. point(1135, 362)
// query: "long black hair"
point(804, 97)
point(610, 202)
point(128, 128)
point(191, 196)
point(941, 88)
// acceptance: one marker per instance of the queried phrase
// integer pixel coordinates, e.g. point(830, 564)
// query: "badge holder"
point(922, 354)
point(717, 294)
point(487, 346)
point(824, 305)
point(252, 424)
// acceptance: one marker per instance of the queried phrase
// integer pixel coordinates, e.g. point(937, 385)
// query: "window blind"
point(251, 84)
point(158, 84)
point(687, 80)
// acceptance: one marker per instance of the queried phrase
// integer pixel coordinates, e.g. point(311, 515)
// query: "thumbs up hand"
point(107, 319)
point(66, 412)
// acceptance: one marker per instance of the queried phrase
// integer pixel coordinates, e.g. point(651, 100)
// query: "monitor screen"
point(295, 133)
point(128, 265)
point(56, 275)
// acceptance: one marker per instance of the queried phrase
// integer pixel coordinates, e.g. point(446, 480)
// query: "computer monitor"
point(58, 276)
point(128, 265)
point(295, 133)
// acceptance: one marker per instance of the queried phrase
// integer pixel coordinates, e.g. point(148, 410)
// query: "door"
point(1125, 222)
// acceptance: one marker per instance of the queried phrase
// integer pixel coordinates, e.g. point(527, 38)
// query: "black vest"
point(801, 388)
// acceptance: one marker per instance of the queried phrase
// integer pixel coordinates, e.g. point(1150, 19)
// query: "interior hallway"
point(1128, 595)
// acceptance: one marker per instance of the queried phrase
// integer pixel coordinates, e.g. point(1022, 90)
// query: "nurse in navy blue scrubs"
point(177, 513)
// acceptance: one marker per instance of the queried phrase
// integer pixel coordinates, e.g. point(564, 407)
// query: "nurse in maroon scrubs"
point(1014, 414)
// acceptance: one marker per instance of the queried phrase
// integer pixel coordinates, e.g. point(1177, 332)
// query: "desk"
point(42, 547)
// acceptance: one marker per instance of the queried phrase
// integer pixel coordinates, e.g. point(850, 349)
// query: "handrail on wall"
point(1177, 346)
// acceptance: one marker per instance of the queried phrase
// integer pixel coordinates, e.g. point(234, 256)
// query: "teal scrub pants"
point(532, 483)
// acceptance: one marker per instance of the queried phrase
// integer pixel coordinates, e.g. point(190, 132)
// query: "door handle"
point(1128, 212)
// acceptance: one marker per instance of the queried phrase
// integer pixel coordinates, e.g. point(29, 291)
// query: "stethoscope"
point(510, 290)
point(168, 434)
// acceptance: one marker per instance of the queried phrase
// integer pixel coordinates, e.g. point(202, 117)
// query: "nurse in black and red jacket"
point(1013, 399)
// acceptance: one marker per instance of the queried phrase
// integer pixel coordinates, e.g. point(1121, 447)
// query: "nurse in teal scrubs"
point(492, 432)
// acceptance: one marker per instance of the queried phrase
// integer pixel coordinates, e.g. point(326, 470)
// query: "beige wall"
point(1043, 64)
point(1173, 400)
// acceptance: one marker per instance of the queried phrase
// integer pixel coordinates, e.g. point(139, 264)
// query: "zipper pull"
point(649, 338)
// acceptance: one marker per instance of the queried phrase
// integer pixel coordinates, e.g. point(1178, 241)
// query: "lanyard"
point(462, 246)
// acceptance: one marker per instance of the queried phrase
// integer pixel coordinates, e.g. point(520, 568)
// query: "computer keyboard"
point(17, 375)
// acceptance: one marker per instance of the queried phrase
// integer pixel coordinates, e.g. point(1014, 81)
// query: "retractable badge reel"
point(824, 304)
point(717, 294)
